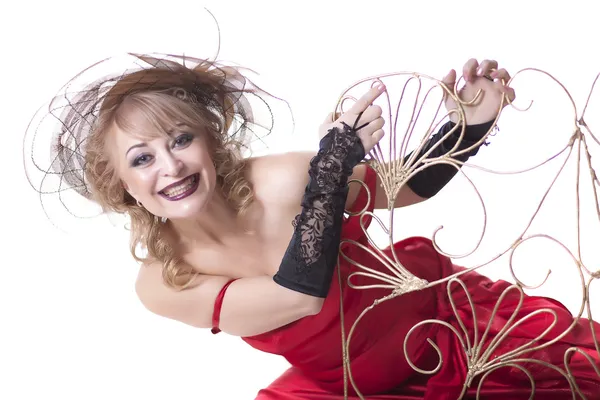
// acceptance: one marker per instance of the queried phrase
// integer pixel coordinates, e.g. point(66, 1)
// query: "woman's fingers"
point(375, 125)
point(470, 70)
point(487, 67)
point(371, 140)
point(369, 115)
point(365, 116)
point(370, 121)
point(502, 74)
point(371, 134)
point(378, 135)
point(501, 78)
point(366, 100)
point(450, 79)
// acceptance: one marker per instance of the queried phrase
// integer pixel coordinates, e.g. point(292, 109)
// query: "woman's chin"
point(185, 208)
point(182, 215)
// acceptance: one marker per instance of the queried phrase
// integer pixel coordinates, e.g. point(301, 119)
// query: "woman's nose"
point(171, 165)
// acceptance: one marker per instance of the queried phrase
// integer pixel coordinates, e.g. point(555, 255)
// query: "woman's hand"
point(363, 116)
point(492, 82)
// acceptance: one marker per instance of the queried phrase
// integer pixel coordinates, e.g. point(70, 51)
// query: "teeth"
point(177, 190)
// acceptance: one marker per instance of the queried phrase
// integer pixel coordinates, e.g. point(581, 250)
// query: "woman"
point(222, 251)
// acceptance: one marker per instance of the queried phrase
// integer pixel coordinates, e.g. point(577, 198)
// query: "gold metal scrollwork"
point(394, 170)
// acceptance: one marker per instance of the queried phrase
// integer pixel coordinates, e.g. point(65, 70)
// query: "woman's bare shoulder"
point(280, 177)
point(294, 159)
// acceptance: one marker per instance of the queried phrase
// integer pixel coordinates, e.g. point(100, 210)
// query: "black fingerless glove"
point(311, 256)
point(432, 179)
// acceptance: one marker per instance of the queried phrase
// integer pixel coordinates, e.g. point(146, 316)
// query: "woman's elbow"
point(313, 305)
point(303, 304)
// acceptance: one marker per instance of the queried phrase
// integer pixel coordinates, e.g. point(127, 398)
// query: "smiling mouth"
point(182, 189)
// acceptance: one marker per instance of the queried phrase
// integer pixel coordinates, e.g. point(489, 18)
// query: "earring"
point(163, 219)
point(140, 205)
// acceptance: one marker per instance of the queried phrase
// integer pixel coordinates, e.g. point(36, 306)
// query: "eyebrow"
point(135, 146)
point(143, 144)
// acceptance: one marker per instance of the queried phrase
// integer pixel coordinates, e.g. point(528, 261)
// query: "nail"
point(480, 71)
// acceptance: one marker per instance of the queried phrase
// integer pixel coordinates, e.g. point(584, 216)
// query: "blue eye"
point(183, 140)
point(142, 159)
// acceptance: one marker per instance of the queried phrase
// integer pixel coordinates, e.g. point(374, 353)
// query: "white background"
point(71, 326)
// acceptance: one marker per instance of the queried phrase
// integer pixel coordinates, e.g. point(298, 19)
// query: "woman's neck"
point(215, 224)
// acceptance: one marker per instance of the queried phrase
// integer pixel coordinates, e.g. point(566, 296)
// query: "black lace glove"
point(311, 256)
point(432, 179)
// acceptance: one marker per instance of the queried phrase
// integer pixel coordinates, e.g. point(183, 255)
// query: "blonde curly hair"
point(206, 98)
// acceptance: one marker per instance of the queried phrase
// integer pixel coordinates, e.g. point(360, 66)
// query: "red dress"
point(313, 345)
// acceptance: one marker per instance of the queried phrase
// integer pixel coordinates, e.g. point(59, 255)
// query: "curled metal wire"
point(394, 170)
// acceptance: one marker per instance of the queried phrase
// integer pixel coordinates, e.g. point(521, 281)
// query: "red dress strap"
point(217, 310)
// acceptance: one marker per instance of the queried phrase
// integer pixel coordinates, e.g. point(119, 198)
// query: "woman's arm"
point(256, 305)
point(251, 306)
point(479, 118)
point(429, 181)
